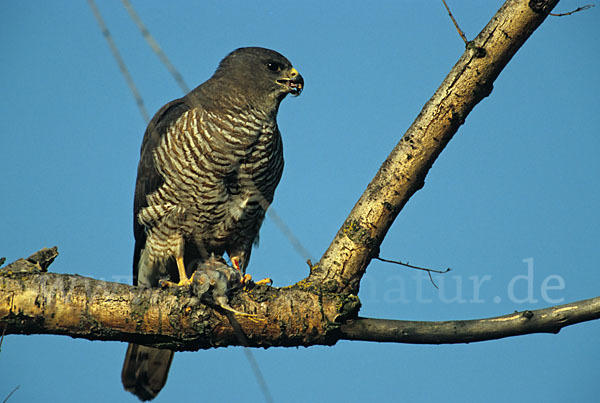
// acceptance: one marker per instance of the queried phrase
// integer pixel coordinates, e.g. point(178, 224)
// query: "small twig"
point(412, 266)
point(578, 9)
point(11, 393)
point(429, 271)
point(460, 31)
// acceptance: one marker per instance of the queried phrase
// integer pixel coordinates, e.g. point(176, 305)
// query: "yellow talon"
point(183, 278)
point(266, 281)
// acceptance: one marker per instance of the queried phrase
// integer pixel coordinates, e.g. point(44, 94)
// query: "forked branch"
point(322, 308)
point(35, 302)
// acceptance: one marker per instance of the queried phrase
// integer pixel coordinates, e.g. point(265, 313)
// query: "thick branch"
point(321, 308)
point(403, 173)
point(548, 320)
point(34, 302)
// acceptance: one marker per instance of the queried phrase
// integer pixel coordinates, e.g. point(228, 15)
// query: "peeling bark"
point(35, 302)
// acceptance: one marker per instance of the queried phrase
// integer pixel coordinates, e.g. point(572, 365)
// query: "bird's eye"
point(274, 66)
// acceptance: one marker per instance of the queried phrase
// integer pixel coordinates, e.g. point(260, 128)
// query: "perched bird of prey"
point(209, 166)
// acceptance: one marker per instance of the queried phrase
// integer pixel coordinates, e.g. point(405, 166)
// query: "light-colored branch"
point(35, 302)
point(322, 308)
point(403, 172)
point(548, 320)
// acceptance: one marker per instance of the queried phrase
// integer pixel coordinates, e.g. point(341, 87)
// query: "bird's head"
point(259, 74)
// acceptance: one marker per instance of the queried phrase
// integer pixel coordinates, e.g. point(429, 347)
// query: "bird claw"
point(247, 281)
point(183, 283)
point(264, 281)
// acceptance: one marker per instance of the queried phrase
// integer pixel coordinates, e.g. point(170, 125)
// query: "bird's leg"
point(235, 262)
point(183, 278)
point(247, 278)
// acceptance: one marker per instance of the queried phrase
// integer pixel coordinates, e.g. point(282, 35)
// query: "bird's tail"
point(145, 370)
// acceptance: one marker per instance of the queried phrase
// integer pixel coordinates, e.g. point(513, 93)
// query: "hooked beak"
point(294, 83)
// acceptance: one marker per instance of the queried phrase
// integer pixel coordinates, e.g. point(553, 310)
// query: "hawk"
point(209, 166)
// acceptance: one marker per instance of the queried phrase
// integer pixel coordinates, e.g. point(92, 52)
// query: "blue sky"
point(510, 205)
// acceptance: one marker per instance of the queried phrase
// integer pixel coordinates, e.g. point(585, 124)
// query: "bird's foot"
point(184, 282)
point(264, 281)
point(247, 281)
point(246, 278)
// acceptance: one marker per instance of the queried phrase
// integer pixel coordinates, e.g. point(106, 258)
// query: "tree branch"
point(322, 308)
point(35, 302)
point(548, 320)
point(403, 172)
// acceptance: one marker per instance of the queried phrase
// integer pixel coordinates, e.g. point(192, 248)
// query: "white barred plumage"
point(215, 176)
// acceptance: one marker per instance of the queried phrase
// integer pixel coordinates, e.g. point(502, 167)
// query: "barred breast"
point(220, 173)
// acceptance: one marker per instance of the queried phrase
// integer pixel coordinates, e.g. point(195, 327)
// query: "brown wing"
point(145, 369)
point(148, 178)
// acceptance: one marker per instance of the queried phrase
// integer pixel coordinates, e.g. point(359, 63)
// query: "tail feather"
point(145, 370)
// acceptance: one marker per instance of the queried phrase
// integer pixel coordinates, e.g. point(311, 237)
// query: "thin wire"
point(287, 232)
point(106, 33)
point(155, 47)
point(243, 340)
point(11, 393)
point(262, 384)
